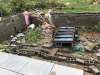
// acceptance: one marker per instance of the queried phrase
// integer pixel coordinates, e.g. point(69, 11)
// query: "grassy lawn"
point(73, 1)
point(79, 6)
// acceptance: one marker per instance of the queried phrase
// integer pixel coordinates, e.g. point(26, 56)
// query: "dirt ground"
point(68, 52)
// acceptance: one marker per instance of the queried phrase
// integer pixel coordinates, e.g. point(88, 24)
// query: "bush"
point(40, 5)
point(55, 5)
point(4, 9)
point(48, 4)
point(17, 6)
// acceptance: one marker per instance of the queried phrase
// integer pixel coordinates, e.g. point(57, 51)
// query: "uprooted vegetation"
point(34, 36)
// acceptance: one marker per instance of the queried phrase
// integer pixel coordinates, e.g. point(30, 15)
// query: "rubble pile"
point(47, 32)
point(89, 45)
point(90, 40)
point(17, 39)
point(57, 54)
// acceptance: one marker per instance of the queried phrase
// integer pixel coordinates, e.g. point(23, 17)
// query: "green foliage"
point(17, 5)
point(79, 6)
point(55, 4)
point(40, 5)
point(74, 6)
point(4, 8)
point(33, 36)
point(46, 4)
point(20, 5)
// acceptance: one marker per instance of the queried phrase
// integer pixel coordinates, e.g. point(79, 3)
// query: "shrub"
point(4, 9)
point(40, 5)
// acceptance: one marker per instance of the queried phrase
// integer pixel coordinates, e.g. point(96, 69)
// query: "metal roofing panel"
point(63, 39)
point(3, 57)
point(66, 30)
point(67, 27)
point(65, 33)
point(36, 67)
point(20, 65)
point(14, 63)
point(7, 72)
point(60, 36)
point(64, 70)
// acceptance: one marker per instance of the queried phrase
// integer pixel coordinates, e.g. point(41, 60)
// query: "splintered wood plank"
point(53, 52)
point(64, 54)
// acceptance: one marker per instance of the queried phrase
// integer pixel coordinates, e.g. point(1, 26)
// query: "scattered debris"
point(13, 41)
point(94, 70)
point(47, 32)
point(90, 40)
point(98, 55)
point(79, 47)
point(58, 36)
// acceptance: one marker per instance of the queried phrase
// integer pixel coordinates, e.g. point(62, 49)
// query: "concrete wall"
point(76, 19)
point(11, 25)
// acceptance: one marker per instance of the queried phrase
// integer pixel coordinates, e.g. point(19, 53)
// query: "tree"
point(20, 5)
point(4, 8)
point(17, 5)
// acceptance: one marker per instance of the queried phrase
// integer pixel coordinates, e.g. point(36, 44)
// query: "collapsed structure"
point(63, 32)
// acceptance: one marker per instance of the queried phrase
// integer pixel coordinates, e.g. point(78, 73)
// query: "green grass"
point(88, 9)
point(79, 6)
point(73, 1)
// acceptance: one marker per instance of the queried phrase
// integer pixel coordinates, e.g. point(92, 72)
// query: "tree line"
point(8, 7)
